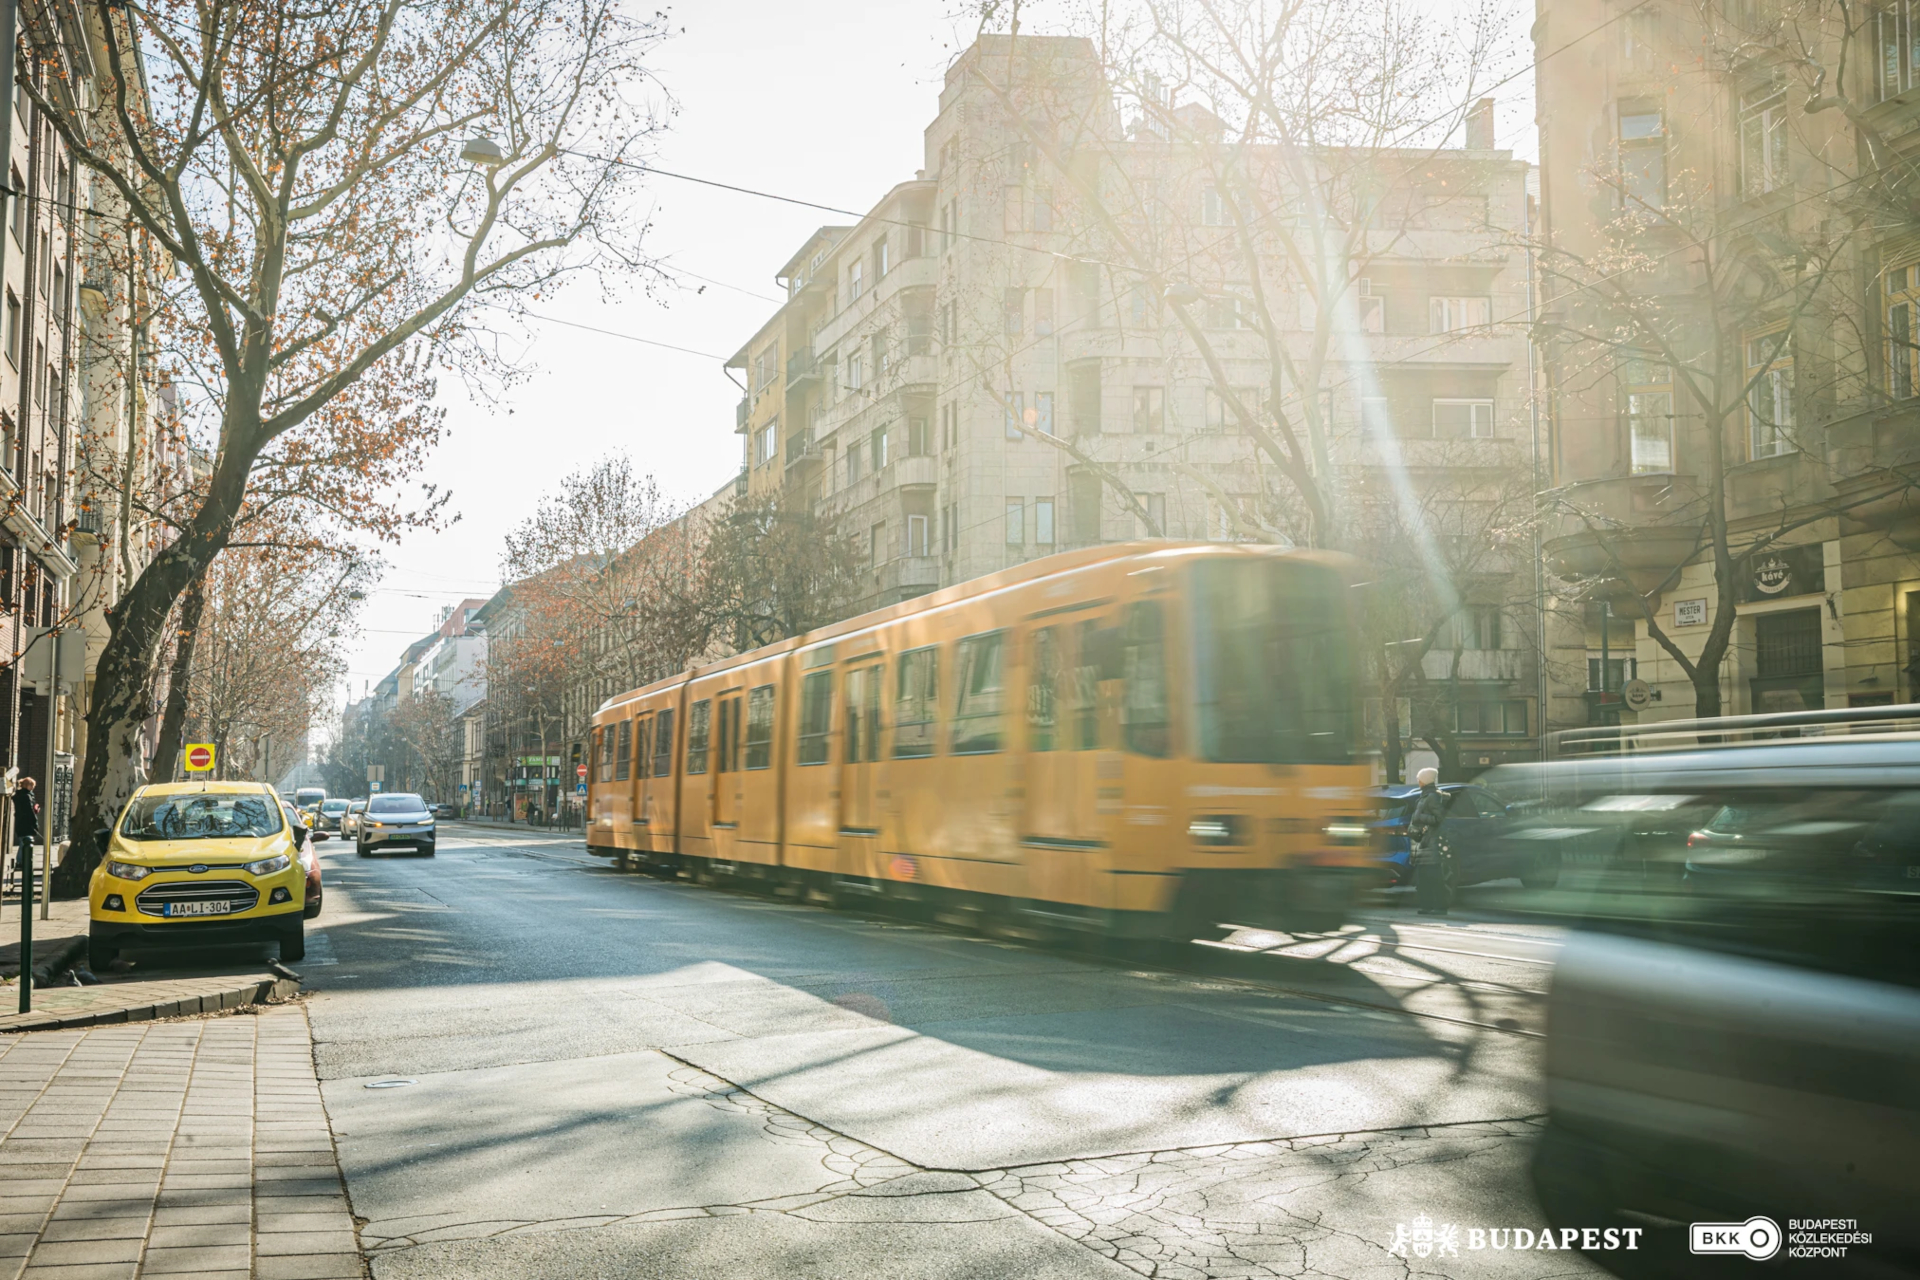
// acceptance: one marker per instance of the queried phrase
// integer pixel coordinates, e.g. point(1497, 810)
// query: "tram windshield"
point(1273, 663)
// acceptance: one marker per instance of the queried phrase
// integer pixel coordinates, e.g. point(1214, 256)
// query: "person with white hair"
point(1429, 859)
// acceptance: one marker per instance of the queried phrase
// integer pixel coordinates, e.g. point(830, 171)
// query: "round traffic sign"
point(200, 756)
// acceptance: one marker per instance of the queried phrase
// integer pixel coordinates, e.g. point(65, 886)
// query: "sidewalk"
point(66, 925)
point(170, 1149)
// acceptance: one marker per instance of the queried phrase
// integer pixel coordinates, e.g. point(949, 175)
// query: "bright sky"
point(823, 100)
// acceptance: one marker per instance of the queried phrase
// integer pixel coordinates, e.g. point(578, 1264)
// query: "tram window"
point(1273, 663)
point(760, 728)
point(728, 736)
point(603, 754)
point(623, 751)
point(981, 705)
point(1086, 688)
point(863, 714)
point(1043, 690)
point(816, 717)
point(1144, 664)
point(663, 743)
point(699, 721)
point(916, 702)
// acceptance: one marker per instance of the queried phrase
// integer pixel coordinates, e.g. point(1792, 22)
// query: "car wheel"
point(360, 849)
point(312, 908)
point(293, 942)
point(425, 849)
point(101, 953)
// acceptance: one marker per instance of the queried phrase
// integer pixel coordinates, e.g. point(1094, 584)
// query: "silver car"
point(400, 820)
point(350, 820)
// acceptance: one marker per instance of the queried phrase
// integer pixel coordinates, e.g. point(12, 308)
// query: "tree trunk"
point(173, 721)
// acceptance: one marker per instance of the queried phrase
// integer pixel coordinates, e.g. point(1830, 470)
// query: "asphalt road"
point(537, 1066)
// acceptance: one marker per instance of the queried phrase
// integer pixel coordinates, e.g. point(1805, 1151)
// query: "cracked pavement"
point(589, 1074)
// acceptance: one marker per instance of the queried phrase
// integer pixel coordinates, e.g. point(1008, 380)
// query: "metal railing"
point(1720, 731)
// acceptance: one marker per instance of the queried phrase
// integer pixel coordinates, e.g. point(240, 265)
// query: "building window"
point(853, 461)
point(1893, 26)
point(1155, 525)
point(1902, 288)
point(1643, 157)
point(1506, 717)
point(1043, 209)
point(1213, 209)
point(1016, 414)
point(1649, 395)
point(1043, 521)
point(876, 544)
point(1013, 306)
point(1226, 311)
point(882, 258)
point(1016, 522)
point(918, 446)
point(1040, 417)
point(916, 535)
point(878, 446)
point(1476, 626)
point(1042, 312)
point(1376, 418)
point(1149, 410)
point(1220, 414)
point(1463, 419)
point(1453, 315)
point(1770, 394)
point(1763, 140)
point(1373, 308)
point(1083, 398)
point(19, 218)
point(856, 280)
point(856, 370)
point(950, 225)
point(766, 444)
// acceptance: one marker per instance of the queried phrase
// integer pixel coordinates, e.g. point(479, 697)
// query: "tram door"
point(1061, 843)
point(728, 782)
point(860, 765)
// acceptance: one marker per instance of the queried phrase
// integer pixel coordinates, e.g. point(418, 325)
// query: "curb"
point(258, 991)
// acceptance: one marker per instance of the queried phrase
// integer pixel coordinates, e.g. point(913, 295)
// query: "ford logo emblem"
point(197, 867)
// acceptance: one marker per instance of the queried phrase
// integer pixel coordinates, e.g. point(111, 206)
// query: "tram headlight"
point(1345, 831)
point(1218, 829)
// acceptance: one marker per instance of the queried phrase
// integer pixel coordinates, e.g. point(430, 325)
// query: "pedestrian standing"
point(1429, 856)
point(26, 827)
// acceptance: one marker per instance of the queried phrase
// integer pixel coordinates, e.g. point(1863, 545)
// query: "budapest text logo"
point(1757, 1237)
point(1423, 1239)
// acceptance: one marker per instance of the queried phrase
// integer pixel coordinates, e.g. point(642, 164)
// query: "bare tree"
point(304, 169)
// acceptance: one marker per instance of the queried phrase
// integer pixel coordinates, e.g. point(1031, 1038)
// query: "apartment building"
point(78, 416)
point(1729, 293)
point(980, 371)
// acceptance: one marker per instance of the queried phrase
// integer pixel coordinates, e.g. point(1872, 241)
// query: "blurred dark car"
point(1742, 1038)
point(445, 810)
point(1481, 835)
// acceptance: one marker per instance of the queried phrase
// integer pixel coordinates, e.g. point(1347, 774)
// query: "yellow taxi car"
point(198, 864)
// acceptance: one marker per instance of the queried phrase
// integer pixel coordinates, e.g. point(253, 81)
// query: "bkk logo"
point(1757, 1237)
point(1423, 1239)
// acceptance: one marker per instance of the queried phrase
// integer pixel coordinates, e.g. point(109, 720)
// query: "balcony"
point(802, 448)
point(742, 412)
point(802, 369)
point(1637, 528)
point(1476, 665)
point(914, 472)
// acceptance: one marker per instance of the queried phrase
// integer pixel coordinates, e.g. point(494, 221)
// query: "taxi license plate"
point(216, 908)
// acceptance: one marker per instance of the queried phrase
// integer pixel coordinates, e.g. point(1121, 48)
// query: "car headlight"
point(128, 871)
point(267, 866)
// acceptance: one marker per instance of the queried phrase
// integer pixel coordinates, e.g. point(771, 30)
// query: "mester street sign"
point(199, 756)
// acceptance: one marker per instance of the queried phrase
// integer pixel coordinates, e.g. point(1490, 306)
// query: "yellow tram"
point(1138, 739)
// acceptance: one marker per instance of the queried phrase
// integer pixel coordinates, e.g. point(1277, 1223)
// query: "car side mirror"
point(102, 838)
point(300, 837)
point(319, 836)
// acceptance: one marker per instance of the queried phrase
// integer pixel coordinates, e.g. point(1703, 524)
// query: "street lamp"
point(483, 152)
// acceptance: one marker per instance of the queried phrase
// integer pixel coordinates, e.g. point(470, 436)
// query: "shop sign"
point(1786, 571)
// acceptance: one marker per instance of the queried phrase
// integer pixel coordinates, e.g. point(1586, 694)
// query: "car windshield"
point(1273, 654)
point(334, 806)
point(396, 804)
point(200, 816)
point(358, 806)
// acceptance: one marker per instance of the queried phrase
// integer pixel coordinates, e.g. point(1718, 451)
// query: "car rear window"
point(401, 803)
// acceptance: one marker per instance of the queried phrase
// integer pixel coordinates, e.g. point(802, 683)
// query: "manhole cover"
point(388, 1084)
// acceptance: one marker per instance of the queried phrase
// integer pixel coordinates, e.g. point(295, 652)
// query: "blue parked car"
point(1478, 832)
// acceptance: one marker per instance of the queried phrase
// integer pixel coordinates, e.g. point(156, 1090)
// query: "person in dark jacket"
point(1429, 859)
point(26, 827)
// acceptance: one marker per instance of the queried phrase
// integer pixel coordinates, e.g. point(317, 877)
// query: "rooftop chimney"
point(1480, 126)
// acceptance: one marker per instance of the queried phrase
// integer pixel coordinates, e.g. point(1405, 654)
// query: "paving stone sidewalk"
point(170, 1149)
